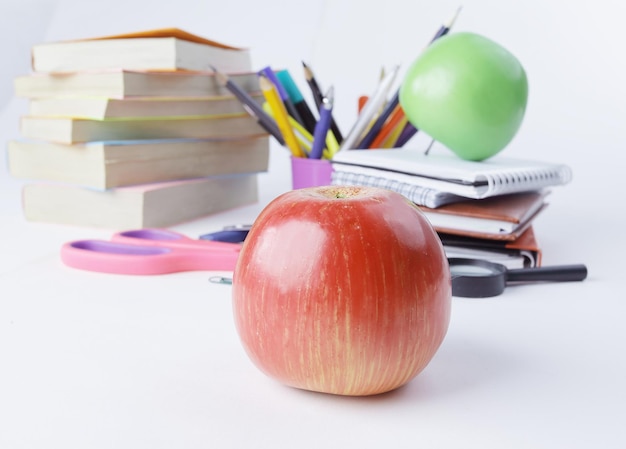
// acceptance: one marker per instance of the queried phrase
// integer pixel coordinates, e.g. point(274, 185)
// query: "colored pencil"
point(445, 28)
point(370, 108)
point(394, 120)
point(313, 85)
point(280, 113)
point(406, 134)
point(317, 96)
point(282, 92)
point(305, 138)
point(377, 126)
point(271, 130)
point(250, 105)
point(322, 127)
point(390, 142)
point(296, 97)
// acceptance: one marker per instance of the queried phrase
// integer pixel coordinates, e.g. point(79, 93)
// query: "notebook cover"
point(526, 241)
point(513, 208)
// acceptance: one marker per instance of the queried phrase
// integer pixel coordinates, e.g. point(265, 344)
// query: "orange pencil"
point(361, 102)
point(396, 117)
point(390, 142)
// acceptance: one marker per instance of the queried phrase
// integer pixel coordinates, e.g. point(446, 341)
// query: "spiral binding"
point(535, 179)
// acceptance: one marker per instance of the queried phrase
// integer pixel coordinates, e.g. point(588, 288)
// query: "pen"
point(280, 113)
point(370, 108)
point(378, 124)
point(317, 96)
point(282, 93)
point(323, 125)
point(250, 105)
point(308, 119)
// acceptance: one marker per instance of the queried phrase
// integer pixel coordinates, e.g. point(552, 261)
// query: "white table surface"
point(93, 360)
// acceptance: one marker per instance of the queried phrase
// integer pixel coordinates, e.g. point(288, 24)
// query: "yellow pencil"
point(304, 137)
point(280, 114)
point(390, 141)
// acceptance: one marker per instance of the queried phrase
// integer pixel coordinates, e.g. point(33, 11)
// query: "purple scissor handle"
point(150, 251)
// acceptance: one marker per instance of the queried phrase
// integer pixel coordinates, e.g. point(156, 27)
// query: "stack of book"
point(136, 130)
point(479, 209)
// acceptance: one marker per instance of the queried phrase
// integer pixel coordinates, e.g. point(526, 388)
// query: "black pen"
point(318, 97)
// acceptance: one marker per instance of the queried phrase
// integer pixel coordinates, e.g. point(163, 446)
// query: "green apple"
point(467, 92)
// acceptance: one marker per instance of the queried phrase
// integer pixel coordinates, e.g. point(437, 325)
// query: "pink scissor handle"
point(165, 237)
point(125, 258)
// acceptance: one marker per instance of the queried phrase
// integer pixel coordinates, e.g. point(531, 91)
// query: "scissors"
point(233, 233)
point(150, 251)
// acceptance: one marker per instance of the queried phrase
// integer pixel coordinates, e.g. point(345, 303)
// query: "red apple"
point(342, 290)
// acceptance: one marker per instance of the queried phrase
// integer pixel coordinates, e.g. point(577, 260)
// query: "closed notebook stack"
point(523, 252)
point(433, 180)
point(502, 217)
point(141, 110)
point(485, 209)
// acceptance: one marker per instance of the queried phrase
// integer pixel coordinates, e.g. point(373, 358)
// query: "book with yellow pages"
point(99, 108)
point(159, 49)
point(146, 205)
point(122, 83)
point(70, 130)
point(103, 165)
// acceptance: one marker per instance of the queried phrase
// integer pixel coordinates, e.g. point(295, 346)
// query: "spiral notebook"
point(443, 178)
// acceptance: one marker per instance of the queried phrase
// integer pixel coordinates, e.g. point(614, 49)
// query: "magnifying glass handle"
point(576, 272)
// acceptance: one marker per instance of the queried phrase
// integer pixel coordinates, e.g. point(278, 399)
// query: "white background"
point(88, 361)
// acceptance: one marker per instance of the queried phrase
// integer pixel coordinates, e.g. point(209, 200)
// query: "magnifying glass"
point(475, 278)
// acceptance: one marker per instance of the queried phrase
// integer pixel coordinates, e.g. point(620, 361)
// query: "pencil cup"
point(307, 172)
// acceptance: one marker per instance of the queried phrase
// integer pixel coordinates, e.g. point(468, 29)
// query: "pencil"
point(296, 97)
point(370, 108)
point(445, 28)
point(305, 138)
point(273, 131)
point(280, 113)
point(322, 127)
point(394, 120)
point(376, 127)
point(282, 93)
point(318, 97)
point(390, 142)
point(312, 82)
point(408, 132)
point(250, 105)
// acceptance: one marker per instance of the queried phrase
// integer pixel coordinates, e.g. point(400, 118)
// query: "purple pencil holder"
point(307, 172)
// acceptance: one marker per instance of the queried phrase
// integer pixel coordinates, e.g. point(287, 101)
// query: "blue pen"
point(323, 125)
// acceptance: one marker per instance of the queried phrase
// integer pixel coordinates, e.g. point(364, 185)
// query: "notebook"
point(408, 168)
point(524, 252)
point(503, 217)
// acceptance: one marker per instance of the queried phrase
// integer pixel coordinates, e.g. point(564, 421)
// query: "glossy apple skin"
point(342, 290)
point(467, 92)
